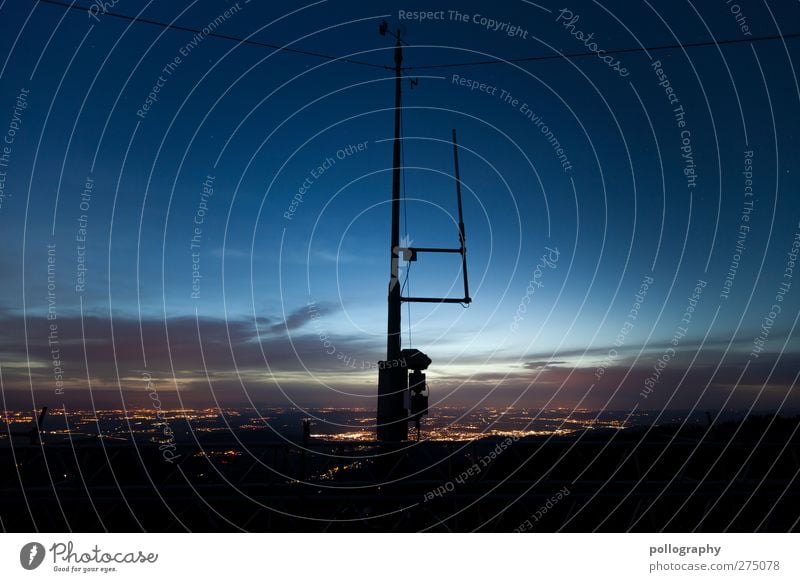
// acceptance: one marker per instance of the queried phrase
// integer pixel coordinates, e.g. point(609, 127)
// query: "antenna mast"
point(392, 411)
point(402, 388)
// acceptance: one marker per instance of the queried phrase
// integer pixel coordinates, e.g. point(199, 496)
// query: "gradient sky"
point(259, 121)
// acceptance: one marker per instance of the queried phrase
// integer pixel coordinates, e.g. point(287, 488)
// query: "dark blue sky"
point(640, 198)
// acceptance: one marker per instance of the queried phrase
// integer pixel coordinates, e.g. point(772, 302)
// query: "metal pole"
point(461, 237)
point(392, 414)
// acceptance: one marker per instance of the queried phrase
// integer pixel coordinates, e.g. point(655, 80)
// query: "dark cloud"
point(710, 379)
point(185, 348)
point(302, 316)
point(275, 360)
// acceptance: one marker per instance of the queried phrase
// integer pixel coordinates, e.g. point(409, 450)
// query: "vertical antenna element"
point(461, 236)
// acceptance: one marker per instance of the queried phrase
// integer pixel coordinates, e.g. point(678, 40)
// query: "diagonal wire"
point(610, 52)
point(221, 36)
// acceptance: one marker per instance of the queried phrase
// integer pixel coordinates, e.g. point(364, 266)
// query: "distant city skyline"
point(336, 424)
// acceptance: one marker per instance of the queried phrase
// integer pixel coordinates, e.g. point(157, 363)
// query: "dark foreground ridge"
point(736, 476)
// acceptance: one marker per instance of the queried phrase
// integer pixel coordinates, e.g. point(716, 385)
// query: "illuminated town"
point(327, 424)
